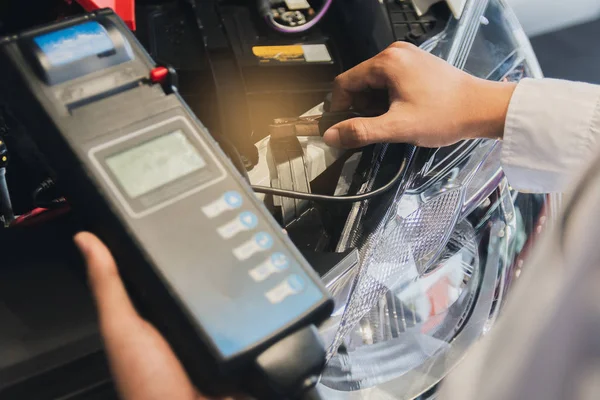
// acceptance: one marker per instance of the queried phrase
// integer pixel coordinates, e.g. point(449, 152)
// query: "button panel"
point(250, 245)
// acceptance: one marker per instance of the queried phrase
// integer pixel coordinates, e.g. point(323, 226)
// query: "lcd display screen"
point(75, 43)
point(155, 163)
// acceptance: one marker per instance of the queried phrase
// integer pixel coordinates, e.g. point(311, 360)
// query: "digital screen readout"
point(155, 163)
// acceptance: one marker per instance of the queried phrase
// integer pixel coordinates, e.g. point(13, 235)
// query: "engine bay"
point(238, 74)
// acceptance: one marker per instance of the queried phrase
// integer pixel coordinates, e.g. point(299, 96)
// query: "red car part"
point(124, 8)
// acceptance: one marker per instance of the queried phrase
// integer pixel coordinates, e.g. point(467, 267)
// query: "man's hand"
point(432, 103)
point(143, 365)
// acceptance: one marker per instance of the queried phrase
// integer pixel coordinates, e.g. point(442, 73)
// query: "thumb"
point(359, 132)
point(108, 290)
point(142, 362)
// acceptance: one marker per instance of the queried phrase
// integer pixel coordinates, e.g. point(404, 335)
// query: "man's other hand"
point(432, 103)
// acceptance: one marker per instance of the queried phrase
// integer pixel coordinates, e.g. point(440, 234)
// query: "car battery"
point(283, 74)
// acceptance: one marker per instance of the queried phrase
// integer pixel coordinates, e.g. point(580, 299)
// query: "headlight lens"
point(420, 279)
point(433, 270)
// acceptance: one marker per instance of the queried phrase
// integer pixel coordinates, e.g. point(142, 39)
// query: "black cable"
point(53, 204)
point(46, 184)
point(337, 199)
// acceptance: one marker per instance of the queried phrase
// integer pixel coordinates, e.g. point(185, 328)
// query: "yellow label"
point(279, 53)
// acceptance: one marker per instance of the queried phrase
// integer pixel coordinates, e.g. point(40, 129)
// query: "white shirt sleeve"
point(552, 131)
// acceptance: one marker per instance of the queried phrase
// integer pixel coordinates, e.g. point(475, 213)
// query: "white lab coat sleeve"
point(552, 130)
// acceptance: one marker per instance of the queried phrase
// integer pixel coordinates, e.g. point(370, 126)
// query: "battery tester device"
point(202, 258)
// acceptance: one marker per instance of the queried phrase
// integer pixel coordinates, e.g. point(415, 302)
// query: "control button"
point(229, 201)
point(291, 286)
point(159, 74)
point(263, 240)
point(279, 261)
point(233, 199)
point(276, 263)
point(244, 222)
point(248, 220)
point(260, 242)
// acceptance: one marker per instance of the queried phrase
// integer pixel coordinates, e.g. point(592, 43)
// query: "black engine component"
point(371, 26)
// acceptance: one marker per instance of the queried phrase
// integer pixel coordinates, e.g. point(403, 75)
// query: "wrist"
point(488, 107)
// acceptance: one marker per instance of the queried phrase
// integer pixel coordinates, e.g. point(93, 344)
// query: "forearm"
point(487, 106)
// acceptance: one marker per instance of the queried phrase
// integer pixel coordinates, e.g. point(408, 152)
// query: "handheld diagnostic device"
point(203, 259)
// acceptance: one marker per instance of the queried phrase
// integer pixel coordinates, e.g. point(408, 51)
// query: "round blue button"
point(248, 219)
point(296, 283)
point(233, 199)
point(263, 240)
point(279, 261)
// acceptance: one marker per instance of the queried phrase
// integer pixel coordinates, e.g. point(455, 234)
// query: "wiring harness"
point(267, 11)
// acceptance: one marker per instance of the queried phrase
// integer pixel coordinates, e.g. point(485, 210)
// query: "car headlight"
point(434, 268)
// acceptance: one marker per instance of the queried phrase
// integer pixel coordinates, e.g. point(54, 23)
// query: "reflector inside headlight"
point(413, 321)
